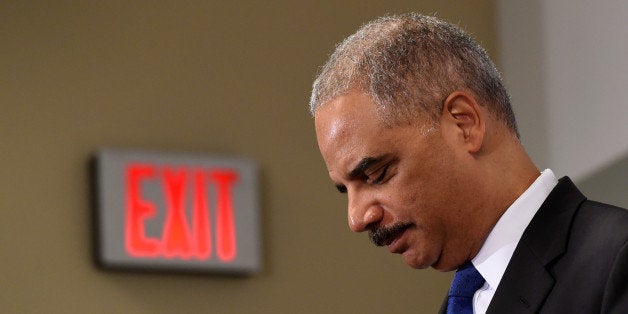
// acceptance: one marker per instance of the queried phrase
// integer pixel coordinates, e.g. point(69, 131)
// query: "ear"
point(463, 119)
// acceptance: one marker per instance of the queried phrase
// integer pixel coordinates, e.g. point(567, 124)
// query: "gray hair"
point(408, 64)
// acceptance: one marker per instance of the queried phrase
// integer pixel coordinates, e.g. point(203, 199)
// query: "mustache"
point(384, 235)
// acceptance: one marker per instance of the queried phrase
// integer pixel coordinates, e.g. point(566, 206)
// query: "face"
point(406, 185)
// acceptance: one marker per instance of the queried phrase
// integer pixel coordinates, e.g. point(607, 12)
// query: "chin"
point(417, 261)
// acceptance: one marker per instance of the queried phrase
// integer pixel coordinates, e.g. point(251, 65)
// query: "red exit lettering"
point(181, 238)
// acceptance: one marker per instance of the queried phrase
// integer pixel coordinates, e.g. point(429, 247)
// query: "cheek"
point(429, 206)
point(428, 192)
point(420, 201)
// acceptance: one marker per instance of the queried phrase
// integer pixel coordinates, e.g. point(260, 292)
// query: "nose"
point(363, 211)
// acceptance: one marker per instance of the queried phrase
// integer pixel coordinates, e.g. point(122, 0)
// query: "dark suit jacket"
point(572, 258)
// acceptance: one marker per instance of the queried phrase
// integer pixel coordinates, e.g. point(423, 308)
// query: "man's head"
point(416, 128)
point(408, 65)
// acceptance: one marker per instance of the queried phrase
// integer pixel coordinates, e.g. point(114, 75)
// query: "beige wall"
point(217, 78)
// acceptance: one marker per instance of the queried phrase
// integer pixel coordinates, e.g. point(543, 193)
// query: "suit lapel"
point(529, 284)
point(526, 281)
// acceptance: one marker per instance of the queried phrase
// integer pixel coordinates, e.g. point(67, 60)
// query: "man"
point(416, 127)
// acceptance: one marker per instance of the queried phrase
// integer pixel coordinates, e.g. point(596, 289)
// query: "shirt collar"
point(501, 242)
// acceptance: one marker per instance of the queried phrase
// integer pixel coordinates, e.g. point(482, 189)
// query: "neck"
point(508, 172)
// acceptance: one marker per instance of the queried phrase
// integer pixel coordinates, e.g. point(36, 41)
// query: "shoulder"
point(598, 238)
point(602, 224)
point(606, 227)
point(582, 220)
point(605, 209)
point(592, 270)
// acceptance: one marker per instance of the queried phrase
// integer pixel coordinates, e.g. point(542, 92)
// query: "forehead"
point(346, 113)
point(348, 128)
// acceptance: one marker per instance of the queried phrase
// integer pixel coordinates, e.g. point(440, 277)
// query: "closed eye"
point(382, 175)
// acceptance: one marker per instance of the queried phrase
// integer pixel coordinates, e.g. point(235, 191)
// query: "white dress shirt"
point(500, 244)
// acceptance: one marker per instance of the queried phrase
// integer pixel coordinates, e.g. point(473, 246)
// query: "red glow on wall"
point(181, 238)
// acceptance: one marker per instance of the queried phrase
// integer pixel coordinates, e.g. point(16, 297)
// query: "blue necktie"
point(466, 281)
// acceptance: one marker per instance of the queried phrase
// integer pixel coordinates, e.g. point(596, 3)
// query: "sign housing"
point(176, 212)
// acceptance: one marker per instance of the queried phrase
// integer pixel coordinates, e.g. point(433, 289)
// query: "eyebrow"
point(360, 170)
point(363, 165)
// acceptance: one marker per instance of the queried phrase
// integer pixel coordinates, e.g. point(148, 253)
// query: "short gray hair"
point(408, 64)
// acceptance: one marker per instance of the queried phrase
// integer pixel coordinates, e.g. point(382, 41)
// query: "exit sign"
point(176, 212)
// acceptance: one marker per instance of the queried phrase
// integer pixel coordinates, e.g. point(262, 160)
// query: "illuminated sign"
point(176, 212)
